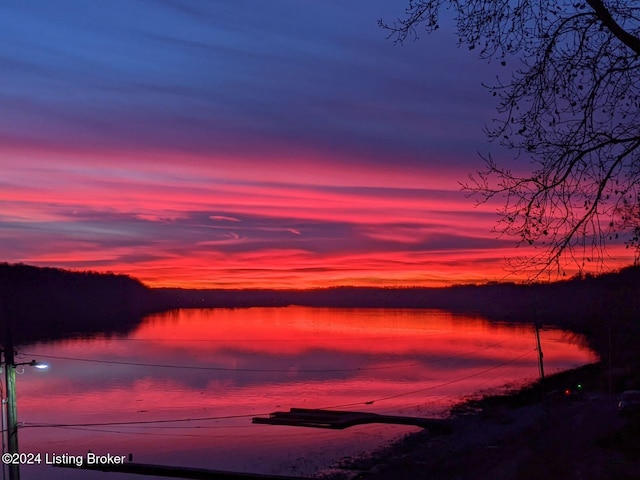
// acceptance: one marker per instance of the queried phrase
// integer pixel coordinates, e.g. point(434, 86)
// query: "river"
point(183, 387)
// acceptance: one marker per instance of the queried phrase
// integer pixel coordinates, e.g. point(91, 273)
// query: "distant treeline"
point(41, 303)
point(605, 308)
point(48, 303)
point(564, 303)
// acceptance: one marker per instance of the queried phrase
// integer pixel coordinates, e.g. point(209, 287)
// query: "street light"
point(36, 364)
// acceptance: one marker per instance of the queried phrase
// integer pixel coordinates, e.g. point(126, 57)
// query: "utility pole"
point(540, 363)
point(540, 355)
point(12, 411)
point(6, 314)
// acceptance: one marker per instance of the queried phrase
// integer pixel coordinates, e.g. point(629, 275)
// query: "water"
point(183, 387)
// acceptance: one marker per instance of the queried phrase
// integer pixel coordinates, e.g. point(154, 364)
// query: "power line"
point(432, 387)
point(278, 435)
point(228, 369)
point(138, 422)
point(504, 387)
point(226, 417)
point(264, 370)
point(104, 430)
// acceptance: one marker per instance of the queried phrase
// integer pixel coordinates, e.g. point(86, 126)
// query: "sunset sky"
point(245, 143)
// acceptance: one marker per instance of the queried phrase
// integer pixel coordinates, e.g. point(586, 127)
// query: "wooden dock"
point(338, 419)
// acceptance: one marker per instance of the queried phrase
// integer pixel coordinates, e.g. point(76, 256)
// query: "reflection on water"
point(182, 388)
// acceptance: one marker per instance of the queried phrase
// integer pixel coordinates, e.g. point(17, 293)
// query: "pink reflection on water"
point(182, 388)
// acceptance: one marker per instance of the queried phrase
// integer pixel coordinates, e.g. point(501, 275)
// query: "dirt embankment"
point(509, 437)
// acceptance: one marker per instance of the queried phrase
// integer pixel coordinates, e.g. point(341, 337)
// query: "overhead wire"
point(227, 369)
point(225, 417)
point(139, 422)
point(509, 368)
point(432, 387)
point(263, 370)
point(263, 436)
point(155, 423)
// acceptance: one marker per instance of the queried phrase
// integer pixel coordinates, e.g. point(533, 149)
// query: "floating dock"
point(338, 419)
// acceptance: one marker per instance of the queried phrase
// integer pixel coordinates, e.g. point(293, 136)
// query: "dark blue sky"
point(197, 76)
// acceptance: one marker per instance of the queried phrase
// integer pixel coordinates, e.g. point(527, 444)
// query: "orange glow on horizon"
point(234, 222)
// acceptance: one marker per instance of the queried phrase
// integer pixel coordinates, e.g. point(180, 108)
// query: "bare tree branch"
point(571, 108)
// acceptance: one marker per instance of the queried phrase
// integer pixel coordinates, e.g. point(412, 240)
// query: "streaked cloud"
point(240, 143)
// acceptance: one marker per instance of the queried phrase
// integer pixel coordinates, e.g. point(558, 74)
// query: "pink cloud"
point(209, 222)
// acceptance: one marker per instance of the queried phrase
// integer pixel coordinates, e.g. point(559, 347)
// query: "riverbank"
point(517, 435)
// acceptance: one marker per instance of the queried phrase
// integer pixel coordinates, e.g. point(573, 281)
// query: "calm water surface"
point(182, 388)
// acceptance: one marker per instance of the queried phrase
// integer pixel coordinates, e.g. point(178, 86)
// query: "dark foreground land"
point(517, 436)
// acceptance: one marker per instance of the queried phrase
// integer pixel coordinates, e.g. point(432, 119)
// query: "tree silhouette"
point(45, 303)
point(571, 107)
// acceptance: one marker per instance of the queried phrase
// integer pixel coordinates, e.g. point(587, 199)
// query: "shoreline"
point(514, 435)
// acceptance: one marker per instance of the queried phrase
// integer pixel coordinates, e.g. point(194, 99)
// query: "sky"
point(253, 143)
